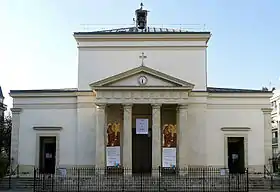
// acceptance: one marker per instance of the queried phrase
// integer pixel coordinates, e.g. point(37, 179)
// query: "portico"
point(129, 113)
point(161, 100)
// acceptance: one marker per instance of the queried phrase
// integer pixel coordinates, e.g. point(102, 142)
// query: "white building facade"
point(275, 121)
point(141, 113)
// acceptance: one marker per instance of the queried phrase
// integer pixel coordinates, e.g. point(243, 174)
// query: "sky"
point(38, 50)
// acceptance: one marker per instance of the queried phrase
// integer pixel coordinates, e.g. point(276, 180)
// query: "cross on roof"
point(142, 56)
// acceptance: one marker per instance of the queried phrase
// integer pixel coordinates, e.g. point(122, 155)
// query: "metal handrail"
point(267, 172)
point(14, 171)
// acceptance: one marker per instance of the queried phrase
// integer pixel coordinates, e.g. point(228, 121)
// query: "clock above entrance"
point(141, 77)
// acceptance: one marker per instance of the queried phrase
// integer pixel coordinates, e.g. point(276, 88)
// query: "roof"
point(1, 93)
point(135, 30)
point(233, 90)
point(209, 89)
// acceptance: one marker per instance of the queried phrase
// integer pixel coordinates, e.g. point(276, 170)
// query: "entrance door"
point(141, 152)
point(236, 162)
point(47, 154)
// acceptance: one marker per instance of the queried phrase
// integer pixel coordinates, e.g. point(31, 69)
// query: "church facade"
point(142, 101)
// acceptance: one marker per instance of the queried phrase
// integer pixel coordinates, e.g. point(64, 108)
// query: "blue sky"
point(38, 51)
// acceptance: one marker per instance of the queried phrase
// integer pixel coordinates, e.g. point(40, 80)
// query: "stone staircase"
point(17, 183)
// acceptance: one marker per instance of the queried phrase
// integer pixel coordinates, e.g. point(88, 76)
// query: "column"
point(15, 136)
point(100, 160)
point(156, 136)
point(267, 135)
point(127, 136)
point(182, 136)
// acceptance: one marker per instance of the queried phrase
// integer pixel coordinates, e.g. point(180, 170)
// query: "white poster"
point(222, 172)
point(169, 157)
point(63, 172)
point(142, 126)
point(113, 156)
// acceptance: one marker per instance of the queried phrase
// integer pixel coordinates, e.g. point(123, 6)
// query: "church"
point(142, 102)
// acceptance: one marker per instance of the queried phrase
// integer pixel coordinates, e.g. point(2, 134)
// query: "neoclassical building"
point(142, 101)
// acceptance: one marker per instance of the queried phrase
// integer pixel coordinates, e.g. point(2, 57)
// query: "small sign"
point(63, 172)
point(142, 126)
point(169, 157)
point(113, 156)
point(222, 172)
point(48, 155)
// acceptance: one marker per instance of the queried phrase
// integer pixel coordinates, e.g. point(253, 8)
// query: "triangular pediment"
point(140, 77)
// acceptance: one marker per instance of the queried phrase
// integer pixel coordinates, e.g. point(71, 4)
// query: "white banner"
point(169, 157)
point(113, 156)
point(142, 126)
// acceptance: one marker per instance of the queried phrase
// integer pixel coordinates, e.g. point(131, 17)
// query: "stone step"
point(16, 183)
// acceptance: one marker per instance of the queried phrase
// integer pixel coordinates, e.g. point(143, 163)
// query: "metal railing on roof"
point(175, 27)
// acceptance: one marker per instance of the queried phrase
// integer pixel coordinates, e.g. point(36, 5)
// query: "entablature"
point(141, 97)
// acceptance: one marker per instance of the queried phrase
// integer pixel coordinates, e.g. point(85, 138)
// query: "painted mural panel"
point(113, 144)
point(169, 144)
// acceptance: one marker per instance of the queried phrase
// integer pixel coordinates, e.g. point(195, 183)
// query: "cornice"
point(142, 37)
point(267, 110)
point(239, 95)
point(140, 88)
point(235, 106)
point(16, 110)
point(48, 106)
point(146, 47)
point(51, 93)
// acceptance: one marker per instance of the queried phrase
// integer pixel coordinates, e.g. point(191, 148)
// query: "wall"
point(207, 114)
point(188, 64)
point(236, 113)
point(86, 125)
point(47, 112)
point(219, 118)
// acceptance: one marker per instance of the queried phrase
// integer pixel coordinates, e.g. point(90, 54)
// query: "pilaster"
point(127, 136)
point(156, 136)
point(182, 140)
point(15, 136)
point(100, 136)
point(267, 134)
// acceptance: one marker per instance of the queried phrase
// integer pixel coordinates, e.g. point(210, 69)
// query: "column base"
point(156, 172)
point(127, 172)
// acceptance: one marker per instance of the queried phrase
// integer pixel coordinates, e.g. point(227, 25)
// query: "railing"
point(121, 179)
point(7, 176)
point(269, 175)
point(97, 27)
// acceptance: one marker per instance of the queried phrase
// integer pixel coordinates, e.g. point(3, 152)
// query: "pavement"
point(249, 191)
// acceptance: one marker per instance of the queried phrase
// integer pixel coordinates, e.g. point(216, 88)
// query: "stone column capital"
point(16, 110)
point(100, 106)
point(127, 105)
point(182, 106)
point(156, 105)
point(267, 110)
